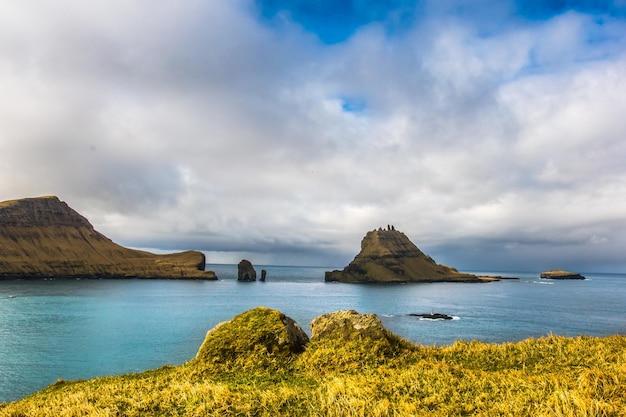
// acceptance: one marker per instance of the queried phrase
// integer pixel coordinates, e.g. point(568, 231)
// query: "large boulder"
point(257, 338)
point(342, 339)
point(389, 256)
point(245, 271)
point(348, 325)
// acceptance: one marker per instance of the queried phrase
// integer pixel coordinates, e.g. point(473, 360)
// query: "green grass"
point(239, 373)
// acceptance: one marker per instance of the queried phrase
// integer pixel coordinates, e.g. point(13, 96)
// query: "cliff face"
point(43, 237)
point(389, 256)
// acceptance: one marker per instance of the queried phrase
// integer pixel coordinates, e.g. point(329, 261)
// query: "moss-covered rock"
point(346, 342)
point(348, 325)
point(260, 338)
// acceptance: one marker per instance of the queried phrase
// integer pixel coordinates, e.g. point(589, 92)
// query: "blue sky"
point(490, 132)
point(335, 21)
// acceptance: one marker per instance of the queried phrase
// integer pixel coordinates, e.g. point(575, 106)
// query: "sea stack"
point(560, 274)
point(245, 271)
point(44, 238)
point(387, 255)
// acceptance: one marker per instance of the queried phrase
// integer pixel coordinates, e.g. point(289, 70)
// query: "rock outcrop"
point(389, 256)
point(560, 274)
point(45, 238)
point(257, 338)
point(348, 325)
point(245, 271)
point(432, 316)
point(363, 332)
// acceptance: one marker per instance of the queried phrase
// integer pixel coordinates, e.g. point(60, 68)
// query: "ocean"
point(79, 329)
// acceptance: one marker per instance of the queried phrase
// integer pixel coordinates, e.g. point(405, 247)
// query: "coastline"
point(110, 325)
point(247, 358)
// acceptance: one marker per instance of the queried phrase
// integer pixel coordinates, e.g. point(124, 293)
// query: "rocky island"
point(560, 274)
point(44, 238)
point(387, 255)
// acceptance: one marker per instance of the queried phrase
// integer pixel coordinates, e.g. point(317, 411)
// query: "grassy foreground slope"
point(250, 366)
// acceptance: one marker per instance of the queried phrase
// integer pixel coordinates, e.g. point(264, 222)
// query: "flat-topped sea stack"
point(560, 274)
point(389, 256)
point(44, 238)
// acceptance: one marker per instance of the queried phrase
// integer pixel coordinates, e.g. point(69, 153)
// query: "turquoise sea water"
point(76, 329)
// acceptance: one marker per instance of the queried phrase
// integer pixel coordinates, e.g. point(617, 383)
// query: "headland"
point(45, 238)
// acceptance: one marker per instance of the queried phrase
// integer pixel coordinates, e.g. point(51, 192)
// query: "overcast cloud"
point(493, 136)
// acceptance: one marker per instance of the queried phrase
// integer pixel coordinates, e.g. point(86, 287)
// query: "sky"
point(492, 133)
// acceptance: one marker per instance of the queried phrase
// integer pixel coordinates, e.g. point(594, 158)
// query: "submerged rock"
point(44, 238)
point(432, 316)
point(560, 274)
point(389, 256)
point(245, 271)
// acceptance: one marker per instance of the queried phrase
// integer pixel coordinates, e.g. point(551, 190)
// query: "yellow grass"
point(552, 376)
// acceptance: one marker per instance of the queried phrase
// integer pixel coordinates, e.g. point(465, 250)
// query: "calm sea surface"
point(77, 329)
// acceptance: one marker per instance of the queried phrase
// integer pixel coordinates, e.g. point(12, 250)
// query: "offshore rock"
point(245, 271)
point(560, 274)
point(260, 337)
point(432, 316)
point(389, 256)
point(44, 238)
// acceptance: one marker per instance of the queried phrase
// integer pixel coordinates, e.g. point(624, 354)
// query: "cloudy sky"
point(493, 133)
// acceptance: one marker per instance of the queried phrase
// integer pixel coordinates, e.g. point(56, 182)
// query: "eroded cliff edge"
point(45, 238)
point(389, 256)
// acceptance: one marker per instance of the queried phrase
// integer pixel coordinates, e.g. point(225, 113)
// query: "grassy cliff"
point(255, 365)
point(45, 238)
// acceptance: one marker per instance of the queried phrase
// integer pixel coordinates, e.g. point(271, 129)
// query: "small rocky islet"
point(560, 274)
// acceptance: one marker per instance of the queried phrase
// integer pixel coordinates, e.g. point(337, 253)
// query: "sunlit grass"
point(551, 376)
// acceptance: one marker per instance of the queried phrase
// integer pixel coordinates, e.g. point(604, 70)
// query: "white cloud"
point(193, 125)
